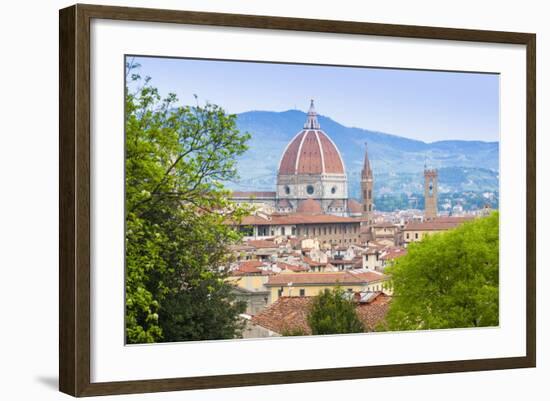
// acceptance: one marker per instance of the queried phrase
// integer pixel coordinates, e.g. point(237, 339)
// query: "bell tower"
point(430, 193)
point(367, 182)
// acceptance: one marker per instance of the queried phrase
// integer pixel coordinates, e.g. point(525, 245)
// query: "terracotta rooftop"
point(384, 225)
point(309, 206)
point(260, 243)
point(285, 314)
point(289, 314)
point(296, 218)
point(313, 263)
point(437, 224)
point(354, 206)
point(346, 277)
point(393, 253)
point(368, 276)
point(248, 267)
point(336, 203)
point(374, 312)
point(294, 268)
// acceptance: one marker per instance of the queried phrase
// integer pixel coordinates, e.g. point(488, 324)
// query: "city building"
point(430, 193)
point(386, 233)
point(327, 229)
point(311, 284)
point(311, 178)
point(288, 315)
point(415, 231)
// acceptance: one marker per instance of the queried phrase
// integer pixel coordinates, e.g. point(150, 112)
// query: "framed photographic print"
point(250, 200)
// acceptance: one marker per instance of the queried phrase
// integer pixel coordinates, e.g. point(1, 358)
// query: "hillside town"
point(307, 236)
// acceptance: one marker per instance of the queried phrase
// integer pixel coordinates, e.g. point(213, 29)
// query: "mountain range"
point(397, 162)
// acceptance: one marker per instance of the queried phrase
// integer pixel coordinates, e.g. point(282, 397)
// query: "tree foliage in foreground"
point(448, 280)
point(332, 313)
point(176, 206)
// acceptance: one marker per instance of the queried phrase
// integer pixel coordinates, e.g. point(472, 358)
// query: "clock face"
point(310, 189)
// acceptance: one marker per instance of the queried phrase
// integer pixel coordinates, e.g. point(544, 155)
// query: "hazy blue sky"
point(424, 105)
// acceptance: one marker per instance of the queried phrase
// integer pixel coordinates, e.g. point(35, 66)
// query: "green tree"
point(332, 313)
point(448, 280)
point(176, 210)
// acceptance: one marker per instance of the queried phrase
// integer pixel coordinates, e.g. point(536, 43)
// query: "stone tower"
point(430, 193)
point(367, 183)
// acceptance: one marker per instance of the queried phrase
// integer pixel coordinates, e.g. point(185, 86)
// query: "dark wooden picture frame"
point(74, 203)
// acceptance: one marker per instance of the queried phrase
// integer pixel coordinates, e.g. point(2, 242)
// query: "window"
point(293, 230)
point(287, 190)
point(263, 231)
point(415, 235)
point(302, 292)
point(333, 190)
point(280, 292)
point(310, 189)
point(324, 231)
point(370, 193)
point(282, 231)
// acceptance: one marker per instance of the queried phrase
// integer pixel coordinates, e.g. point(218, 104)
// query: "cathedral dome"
point(309, 206)
point(311, 151)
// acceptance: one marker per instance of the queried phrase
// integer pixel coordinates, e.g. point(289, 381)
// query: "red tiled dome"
point(311, 151)
point(309, 206)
